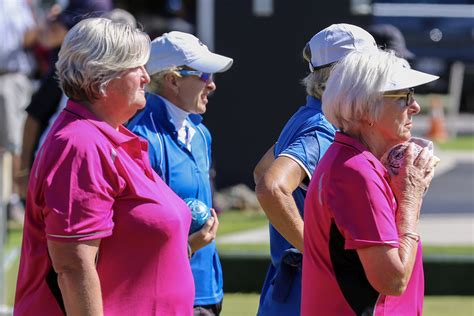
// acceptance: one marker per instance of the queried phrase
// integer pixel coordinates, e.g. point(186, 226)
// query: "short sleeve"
point(307, 149)
point(363, 207)
point(79, 192)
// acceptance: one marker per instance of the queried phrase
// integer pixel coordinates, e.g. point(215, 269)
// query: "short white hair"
point(352, 92)
point(95, 51)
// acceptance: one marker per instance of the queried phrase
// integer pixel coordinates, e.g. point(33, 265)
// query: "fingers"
point(213, 221)
point(207, 233)
point(214, 215)
point(410, 154)
point(433, 161)
point(422, 159)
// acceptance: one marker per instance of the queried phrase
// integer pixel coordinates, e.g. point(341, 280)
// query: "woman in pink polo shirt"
point(362, 252)
point(103, 233)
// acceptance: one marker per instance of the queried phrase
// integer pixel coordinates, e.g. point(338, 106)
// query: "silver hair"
point(352, 92)
point(95, 51)
point(120, 16)
point(157, 80)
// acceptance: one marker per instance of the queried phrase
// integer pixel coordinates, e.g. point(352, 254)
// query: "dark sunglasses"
point(409, 97)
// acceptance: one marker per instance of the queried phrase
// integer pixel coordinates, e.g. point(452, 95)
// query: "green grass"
point(13, 241)
point(233, 221)
point(449, 305)
point(240, 304)
point(458, 143)
point(14, 237)
point(448, 250)
point(249, 248)
point(247, 304)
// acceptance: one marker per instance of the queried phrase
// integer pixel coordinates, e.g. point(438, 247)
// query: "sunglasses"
point(203, 76)
point(409, 97)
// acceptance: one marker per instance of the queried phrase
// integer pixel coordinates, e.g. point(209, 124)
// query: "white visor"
point(403, 78)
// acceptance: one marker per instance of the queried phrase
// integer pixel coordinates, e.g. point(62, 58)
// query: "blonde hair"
point(95, 51)
point(157, 80)
point(315, 82)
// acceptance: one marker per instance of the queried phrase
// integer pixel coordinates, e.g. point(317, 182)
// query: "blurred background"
point(266, 38)
point(262, 90)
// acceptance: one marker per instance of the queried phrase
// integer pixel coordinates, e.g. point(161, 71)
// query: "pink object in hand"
point(393, 159)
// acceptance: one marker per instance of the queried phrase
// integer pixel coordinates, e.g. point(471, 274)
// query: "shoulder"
point(352, 167)
point(154, 110)
point(80, 137)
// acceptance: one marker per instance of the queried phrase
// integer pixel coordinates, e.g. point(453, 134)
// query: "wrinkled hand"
point(414, 177)
point(206, 234)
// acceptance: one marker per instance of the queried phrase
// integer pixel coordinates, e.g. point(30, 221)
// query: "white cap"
point(336, 41)
point(402, 77)
point(176, 49)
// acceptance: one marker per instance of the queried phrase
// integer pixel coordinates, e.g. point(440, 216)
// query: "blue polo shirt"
point(187, 174)
point(304, 138)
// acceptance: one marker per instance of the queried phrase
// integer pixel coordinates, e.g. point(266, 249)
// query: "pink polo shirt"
point(90, 181)
point(350, 205)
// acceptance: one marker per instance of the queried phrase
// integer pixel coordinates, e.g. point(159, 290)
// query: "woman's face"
point(395, 120)
point(193, 93)
point(127, 92)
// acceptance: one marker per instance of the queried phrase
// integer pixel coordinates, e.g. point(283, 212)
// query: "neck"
point(104, 113)
point(374, 142)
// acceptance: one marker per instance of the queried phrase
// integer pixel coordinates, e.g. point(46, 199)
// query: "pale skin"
point(389, 269)
point(276, 179)
point(74, 262)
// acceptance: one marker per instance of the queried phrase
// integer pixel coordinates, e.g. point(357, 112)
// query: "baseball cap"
point(389, 36)
point(403, 77)
point(175, 49)
point(336, 41)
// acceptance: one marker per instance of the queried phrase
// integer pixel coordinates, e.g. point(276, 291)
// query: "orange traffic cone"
point(437, 129)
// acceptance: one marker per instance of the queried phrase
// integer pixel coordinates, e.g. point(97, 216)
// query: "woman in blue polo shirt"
point(181, 69)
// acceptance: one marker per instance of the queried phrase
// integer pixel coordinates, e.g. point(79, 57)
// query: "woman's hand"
point(414, 177)
point(206, 234)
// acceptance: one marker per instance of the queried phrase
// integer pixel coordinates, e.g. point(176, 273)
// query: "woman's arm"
point(75, 264)
point(274, 191)
point(389, 269)
point(263, 165)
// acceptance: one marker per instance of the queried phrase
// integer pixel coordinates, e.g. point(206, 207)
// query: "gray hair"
point(120, 16)
point(315, 82)
point(157, 80)
point(353, 90)
point(94, 52)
